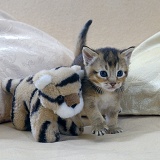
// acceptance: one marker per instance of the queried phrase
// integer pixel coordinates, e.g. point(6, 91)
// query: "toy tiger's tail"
point(81, 42)
point(9, 85)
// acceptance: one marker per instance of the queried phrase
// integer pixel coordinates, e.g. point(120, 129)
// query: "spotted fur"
point(37, 100)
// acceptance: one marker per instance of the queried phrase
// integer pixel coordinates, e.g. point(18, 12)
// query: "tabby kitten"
point(105, 72)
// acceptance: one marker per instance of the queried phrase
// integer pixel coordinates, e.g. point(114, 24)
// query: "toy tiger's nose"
point(72, 99)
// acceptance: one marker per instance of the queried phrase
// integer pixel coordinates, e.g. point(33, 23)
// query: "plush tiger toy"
point(47, 103)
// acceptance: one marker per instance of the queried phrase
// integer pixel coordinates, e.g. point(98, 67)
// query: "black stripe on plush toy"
point(35, 107)
point(42, 134)
point(62, 122)
point(58, 68)
point(27, 119)
point(32, 94)
point(73, 129)
point(13, 106)
point(8, 86)
point(59, 99)
point(71, 79)
point(30, 80)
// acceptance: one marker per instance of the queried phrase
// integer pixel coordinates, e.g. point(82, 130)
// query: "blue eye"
point(103, 74)
point(120, 73)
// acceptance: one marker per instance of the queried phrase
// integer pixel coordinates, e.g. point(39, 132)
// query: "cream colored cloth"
point(142, 94)
point(25, 50)
point(139, 141)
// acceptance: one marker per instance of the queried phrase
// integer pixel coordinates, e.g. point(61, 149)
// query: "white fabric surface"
point(139, 141)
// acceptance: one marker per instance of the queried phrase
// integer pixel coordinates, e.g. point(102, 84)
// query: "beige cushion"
point(142, 95)
point(25, 50)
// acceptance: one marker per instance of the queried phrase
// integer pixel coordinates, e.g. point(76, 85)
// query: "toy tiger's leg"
point(71, 126)
point(20, 115)
point(44, 126)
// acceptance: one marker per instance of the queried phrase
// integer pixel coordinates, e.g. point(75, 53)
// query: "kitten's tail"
point(82, 38)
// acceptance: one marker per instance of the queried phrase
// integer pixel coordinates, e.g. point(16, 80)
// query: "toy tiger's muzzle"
point(72, 100)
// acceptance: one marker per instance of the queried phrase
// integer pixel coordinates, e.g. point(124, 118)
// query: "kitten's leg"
point(99, 126)
point(44, 126)
point(112, 121)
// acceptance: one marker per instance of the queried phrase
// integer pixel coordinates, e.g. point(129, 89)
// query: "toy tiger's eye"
point(120, 73)
point(103, 74)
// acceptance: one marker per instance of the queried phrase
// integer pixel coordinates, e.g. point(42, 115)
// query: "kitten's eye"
point(120, 73)
point(103, 74)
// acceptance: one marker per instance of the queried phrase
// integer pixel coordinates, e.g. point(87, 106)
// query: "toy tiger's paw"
point(100, 130)
point(114, 130)
point(49, 137)
point(46, 133)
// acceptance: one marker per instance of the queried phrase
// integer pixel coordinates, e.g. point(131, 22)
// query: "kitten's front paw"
point(115, 130)
point(100, 130)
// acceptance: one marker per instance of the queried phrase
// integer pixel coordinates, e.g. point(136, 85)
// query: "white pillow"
point(142, 95)
point(25, 50)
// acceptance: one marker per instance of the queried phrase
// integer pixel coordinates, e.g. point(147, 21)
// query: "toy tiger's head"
point(60, 90)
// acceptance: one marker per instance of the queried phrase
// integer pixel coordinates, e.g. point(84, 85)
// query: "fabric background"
point(117, 23)
point(25, 50)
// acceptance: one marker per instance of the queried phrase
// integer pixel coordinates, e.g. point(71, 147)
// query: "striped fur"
point(105, 72)
point(81, 42)
point(36, 109)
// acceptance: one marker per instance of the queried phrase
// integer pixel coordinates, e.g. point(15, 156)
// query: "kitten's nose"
point(113, 84)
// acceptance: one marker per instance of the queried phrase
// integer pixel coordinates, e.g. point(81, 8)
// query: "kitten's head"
point(107, 68)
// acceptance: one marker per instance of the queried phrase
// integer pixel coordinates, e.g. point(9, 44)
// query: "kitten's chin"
point(110, 89)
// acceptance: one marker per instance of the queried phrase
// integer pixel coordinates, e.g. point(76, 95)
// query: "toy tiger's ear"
point(78, 70)
point(43, 81)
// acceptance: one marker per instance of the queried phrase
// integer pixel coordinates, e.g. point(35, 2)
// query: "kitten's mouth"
point(111, 89)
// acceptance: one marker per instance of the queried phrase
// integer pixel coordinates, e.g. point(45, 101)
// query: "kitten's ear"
point(89, 55)
point(127, 54)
